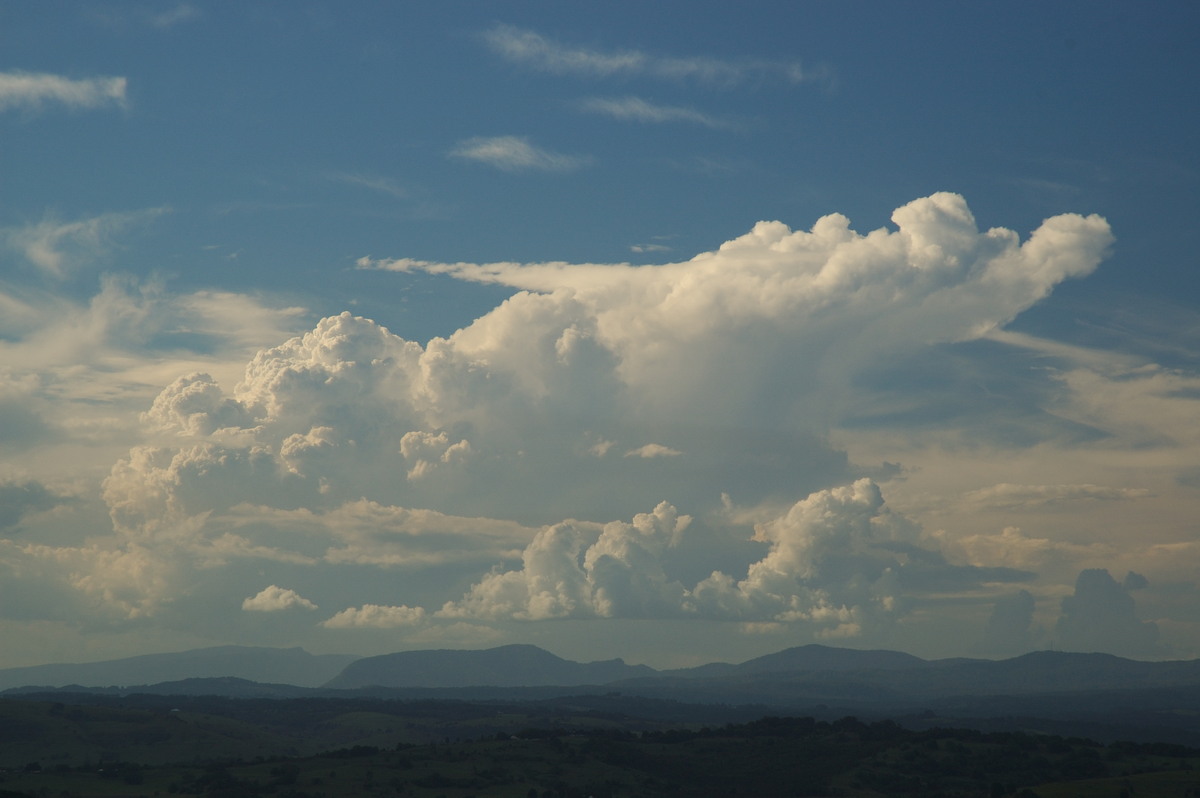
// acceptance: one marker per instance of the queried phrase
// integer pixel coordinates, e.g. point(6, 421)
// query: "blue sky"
point(673, 331)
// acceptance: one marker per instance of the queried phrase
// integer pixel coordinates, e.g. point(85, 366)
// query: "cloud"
point(538, 52)
point(33, 90)
point(1100, 616)
point(1008, 496)
point(1013, 548)
point(376, 616)
point(638, 110)
point(22, 425)
point(348, 446)
point(652, 450)
point(515, 154)
point(194, 405)
point(77, 373)
point(1009, 628)
point(823, 566)
point(58, 247)
point(277, 599)
point(383, 185)
point(19, 498)
point(837, 562)
point(618, 575)
point(180, 13)
point(821, 305)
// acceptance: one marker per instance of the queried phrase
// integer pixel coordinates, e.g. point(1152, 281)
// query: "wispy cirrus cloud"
point(1010, 497)
point(516, 154)
point(180, 13)
point(635, 109)
point(33, 90)
point(56, 247)
point(384, 185)
point(532, 49)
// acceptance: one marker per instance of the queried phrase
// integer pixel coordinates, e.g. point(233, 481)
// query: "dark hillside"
point(506, 666)
point(260, 664)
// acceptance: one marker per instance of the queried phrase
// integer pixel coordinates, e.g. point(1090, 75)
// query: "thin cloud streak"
point(184, 12)
point(384, 185)
point(635, 109)
point(33, 90)
point(527, 47)
point(516, 154)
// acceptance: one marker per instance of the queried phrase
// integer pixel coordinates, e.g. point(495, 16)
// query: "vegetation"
point(560, 749)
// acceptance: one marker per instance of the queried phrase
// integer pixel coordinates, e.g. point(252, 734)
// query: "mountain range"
point(1085, 695)
point(804, 674)
point(259, 664)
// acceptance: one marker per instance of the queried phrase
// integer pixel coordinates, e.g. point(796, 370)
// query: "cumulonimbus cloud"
point(734, 365)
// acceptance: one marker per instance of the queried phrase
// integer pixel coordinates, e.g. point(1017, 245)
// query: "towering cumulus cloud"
point(596, 393)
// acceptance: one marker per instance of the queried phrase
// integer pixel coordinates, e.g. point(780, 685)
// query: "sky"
point(677, 332)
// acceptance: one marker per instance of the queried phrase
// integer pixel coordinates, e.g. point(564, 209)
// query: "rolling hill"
point(260, 664)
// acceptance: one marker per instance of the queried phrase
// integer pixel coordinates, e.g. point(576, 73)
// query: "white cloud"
point(837, 562)
point(376, 616)
point(824, 566)
point(515, 154)
point(33, 90)
point(620, 574)
point(638, 110)
point(76, 374)
point(819, 305)
point(652, 450)
point(194, 405)
point(534, 50)
point(277, 599)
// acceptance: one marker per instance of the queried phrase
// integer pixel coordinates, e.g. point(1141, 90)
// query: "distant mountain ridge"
point(816, 674)
point(813, 657)
point(504, 666)
point(253, 663)
point(800, 676)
